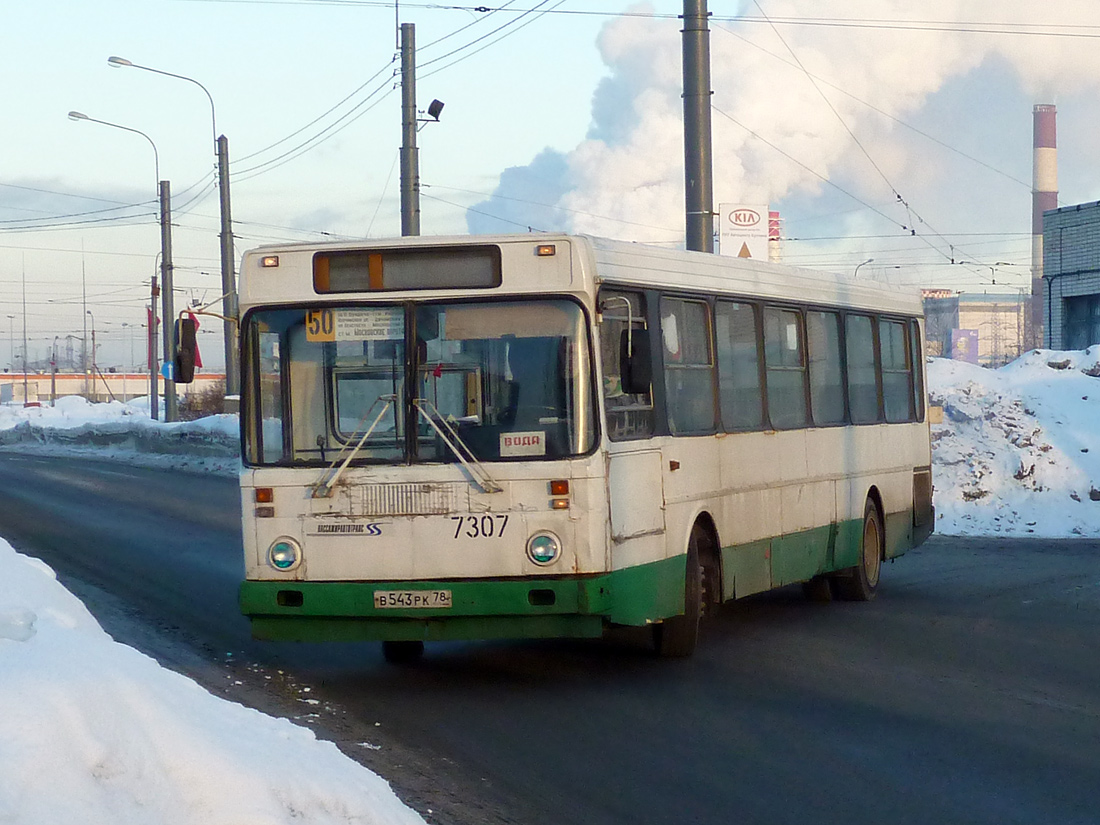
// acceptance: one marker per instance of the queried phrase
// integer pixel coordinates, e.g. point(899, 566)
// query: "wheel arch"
point(875, 497)
point(711, 554)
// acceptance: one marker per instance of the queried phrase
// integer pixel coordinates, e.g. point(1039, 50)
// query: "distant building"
point(981, 327)
point(1071, 276)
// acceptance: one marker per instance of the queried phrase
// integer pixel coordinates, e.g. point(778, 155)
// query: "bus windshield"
point(400, 383)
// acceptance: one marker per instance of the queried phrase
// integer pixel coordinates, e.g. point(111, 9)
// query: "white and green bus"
point(550, 435)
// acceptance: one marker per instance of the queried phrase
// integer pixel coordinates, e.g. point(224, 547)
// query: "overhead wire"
point(875, 108)
point(954, 26)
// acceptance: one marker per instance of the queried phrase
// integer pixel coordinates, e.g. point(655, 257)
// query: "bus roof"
point(642, 265)
point(678, 269)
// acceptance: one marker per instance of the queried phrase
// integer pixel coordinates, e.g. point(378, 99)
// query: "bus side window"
point(826, 374)
point(689, 365)
point(629, 405)
point(918, 370)
point(785, 356)
point(740, 395)
point(862, 379)
point(897, 376)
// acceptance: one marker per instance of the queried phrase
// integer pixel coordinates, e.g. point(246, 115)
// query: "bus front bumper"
point(558, 607)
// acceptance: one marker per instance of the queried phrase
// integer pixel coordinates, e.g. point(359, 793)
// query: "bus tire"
point(860, 583)
point(677, 636)
point(403, 652)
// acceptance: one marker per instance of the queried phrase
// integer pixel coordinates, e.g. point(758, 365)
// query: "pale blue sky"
point(273, 67)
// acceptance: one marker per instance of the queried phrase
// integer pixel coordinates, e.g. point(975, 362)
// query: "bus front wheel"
point(677, 636)
point(401, 653)
point(861, 582)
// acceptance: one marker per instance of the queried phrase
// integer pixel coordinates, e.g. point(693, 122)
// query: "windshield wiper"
point(456, 445)
point(322, 488)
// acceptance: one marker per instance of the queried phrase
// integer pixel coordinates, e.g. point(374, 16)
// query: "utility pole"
point(25, 388)
point(698, 165)
point(151, 352)
point(229, 280)
point(167, 308)
point(84, 307)
point(410, 168)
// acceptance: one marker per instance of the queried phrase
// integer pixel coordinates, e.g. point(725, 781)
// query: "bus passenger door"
point(636, 493)
point(643, 588)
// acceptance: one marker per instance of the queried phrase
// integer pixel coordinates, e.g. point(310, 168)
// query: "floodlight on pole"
point(229, 278)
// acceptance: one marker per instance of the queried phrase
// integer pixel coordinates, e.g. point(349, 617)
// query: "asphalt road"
point(967, 692)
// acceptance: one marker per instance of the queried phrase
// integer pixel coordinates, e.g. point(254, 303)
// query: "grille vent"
point(415, 499)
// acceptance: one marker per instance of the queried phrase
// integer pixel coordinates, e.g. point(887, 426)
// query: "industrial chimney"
point(1044, 196)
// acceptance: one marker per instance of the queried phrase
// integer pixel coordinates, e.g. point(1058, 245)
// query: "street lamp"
point(868, 261)
point(229, 284)
point(164, 198)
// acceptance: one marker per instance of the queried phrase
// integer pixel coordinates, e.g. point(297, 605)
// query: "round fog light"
point(543, 548)
point(284, 554)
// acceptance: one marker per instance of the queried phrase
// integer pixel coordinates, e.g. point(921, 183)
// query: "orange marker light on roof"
point(546, 250)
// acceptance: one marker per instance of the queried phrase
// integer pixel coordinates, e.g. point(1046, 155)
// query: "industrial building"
point(981, 327)
point(1071, 276)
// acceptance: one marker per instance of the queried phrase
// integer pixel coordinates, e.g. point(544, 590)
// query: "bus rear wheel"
point(861, 582)
point(677, 636)
point(403, 652)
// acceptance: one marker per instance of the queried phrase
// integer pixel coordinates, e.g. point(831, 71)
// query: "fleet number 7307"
point(485, 526)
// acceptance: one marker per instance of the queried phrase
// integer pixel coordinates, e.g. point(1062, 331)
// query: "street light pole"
point(167, 301)
point(93, 356)
point(166, 270)
point(868, 261)
point(229, 280)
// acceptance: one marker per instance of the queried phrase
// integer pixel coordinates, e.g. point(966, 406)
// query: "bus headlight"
point(284, 554)
point(543, 548)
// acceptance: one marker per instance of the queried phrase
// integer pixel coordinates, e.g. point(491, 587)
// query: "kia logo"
point(744, 217)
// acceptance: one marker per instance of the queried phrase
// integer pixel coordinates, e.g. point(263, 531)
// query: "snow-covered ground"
point(1018, 452)
point(96, 732)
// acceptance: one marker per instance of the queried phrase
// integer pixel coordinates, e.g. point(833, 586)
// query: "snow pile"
point(125, 432)
point(1018, 452)
point(99, 734)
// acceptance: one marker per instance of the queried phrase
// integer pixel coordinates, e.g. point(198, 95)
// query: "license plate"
point(412, 598)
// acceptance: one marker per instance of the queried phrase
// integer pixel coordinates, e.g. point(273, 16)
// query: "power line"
point(322, 116)
point(952, 26)
point(544, 205)
point(875, 108)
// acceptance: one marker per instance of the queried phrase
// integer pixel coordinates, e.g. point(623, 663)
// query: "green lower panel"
point(801, 556)
point(849, 537)
point(798, 557)
point(575, 606)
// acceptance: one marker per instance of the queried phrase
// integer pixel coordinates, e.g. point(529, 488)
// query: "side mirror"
point(186, 348)
point(635, 368)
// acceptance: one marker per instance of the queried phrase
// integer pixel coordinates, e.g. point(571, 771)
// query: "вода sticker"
point(519, 444)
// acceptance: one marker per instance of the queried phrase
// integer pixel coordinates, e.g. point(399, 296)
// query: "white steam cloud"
point(626, 179)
